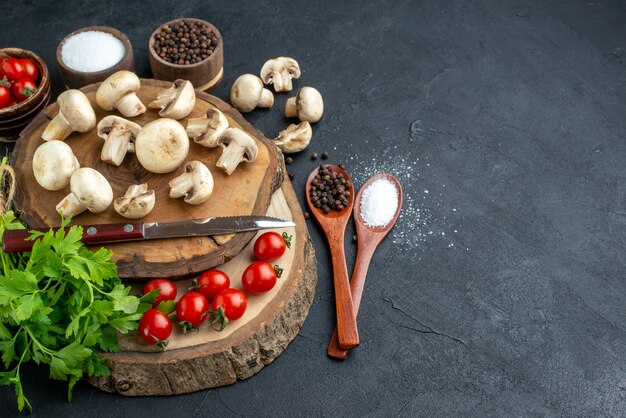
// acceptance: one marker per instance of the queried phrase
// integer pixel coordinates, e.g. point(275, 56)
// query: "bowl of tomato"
point(24, 90)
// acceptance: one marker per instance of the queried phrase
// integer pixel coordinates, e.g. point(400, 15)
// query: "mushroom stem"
point(130, 106)
point(58, 128)
point(116, 146)
point(136, 203)
point(181, 185)
point(164, 98)
point(230, 158)
point(70, 206)
point(267, 99)
point(282, 81)
point(291, 109)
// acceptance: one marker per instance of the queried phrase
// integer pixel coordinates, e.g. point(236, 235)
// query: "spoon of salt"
point(374, 217)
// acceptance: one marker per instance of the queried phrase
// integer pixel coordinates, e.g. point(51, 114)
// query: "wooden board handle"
point(346, 319)
point(15, 241)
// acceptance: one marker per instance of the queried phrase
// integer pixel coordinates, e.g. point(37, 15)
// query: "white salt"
point(92, 51)
point(379, 203)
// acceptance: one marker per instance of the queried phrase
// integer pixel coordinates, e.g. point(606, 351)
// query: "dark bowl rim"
point(128, 49)
point(25, 116)
point(44, 77)
point(181, 66)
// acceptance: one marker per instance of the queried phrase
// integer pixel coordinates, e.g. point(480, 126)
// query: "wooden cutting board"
point(247, 191)
point(208, 358)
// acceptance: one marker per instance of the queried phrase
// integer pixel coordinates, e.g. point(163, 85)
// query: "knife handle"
point(15, 241)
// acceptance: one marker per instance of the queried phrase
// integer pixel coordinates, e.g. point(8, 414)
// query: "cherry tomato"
point(167, 288)
point(271, 246)
point(211, 282)
point(191, 310)
point(260, 277)
point(13, 69)
point(155, 327)
point(23, 88)
point(228, 305)
point(5, 96)
point(12, 101)
point(30, 69)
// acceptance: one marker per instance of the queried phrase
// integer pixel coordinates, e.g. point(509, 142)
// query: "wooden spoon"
point(334, 226)
point(369, 237)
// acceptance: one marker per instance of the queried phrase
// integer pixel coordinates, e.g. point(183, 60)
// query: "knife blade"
point(15, 241)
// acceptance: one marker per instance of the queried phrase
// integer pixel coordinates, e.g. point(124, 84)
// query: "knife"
point(15, 241)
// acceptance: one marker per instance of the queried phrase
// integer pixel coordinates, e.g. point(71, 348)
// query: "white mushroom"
point(248, 92)
point(162, 145)
point(207, 129)
point(90, 191)
point(307, 105)
point(119, 134)
point(176, 102)
point(136, 203)
point(195, 184)
point(238, 146)
point(75, 115)
point(53, 165)
point(279, 71)
point(295, 138)
point(119, 92)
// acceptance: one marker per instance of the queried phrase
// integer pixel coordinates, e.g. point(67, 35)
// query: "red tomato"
point(260, 277)
point(5, 96)
point(167, 288)
point(211, 282)
point(30, 69)
point(23, 88)
point(228, 305)
point(191, 310)
point(12, 101)
point(271, 246)
point(155, 327)
point(13, 69)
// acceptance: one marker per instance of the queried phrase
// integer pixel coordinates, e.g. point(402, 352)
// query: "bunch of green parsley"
point(61, 305)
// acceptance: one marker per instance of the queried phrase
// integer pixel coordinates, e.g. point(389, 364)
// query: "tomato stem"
point(287, 239)
point(220, 317)
point(278, 270)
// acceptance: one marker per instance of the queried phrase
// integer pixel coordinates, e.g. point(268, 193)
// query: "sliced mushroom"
point(238, 146)
point(248, 93)
point(195, 184)
point(295, 138)
point(162, 145)
point(118, 134)
point(90, 191)
point(307, 105)
point(119, 92)
point(75, 115)
point(207, 129)
point(53, 165)
point(279, 71)
point(136, 203)
point(176, 102)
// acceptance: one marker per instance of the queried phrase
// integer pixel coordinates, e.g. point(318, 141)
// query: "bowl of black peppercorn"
point(189, 49)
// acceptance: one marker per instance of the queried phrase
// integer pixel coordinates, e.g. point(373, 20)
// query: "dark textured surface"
point(518, 108)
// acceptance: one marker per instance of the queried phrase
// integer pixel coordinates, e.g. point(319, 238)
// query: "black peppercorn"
point(314, 156)
point(288, 160)
point(179, 44)
point(324, 155)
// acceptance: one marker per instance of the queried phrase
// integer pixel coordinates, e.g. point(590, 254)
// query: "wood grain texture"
point(207, 358)
point(247, 191)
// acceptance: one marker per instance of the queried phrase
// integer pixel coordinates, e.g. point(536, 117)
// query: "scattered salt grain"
point(379, 203)
point(92, 51)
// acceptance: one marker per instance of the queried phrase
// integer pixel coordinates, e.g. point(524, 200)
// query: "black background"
point(511, 114)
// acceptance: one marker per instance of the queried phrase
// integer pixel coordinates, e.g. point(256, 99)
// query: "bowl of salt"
point(90, 55)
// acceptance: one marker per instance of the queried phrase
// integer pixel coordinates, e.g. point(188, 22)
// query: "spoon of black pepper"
point(330, 196)
point(369, 237)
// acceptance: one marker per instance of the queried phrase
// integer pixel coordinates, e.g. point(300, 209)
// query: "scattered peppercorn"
point(291, 176)
point(329, 190)
point(314, 156)
point(324, 155)
point(184, 42)
point(354, 238)
point(288, 160)
point(307, 215)
point(341, 166)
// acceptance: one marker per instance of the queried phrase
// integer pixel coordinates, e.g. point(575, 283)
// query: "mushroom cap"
point(246, 92)
point(91, 189)
point(294, 138)
point(201, 183)
point(242, 139)
point(75, 107)
point(53, 165)
point(284, 67)
point(162, 145)
point(176, 102)
point(116, 87)
point(106, 125)
point(136, 203)
point(310, 104)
